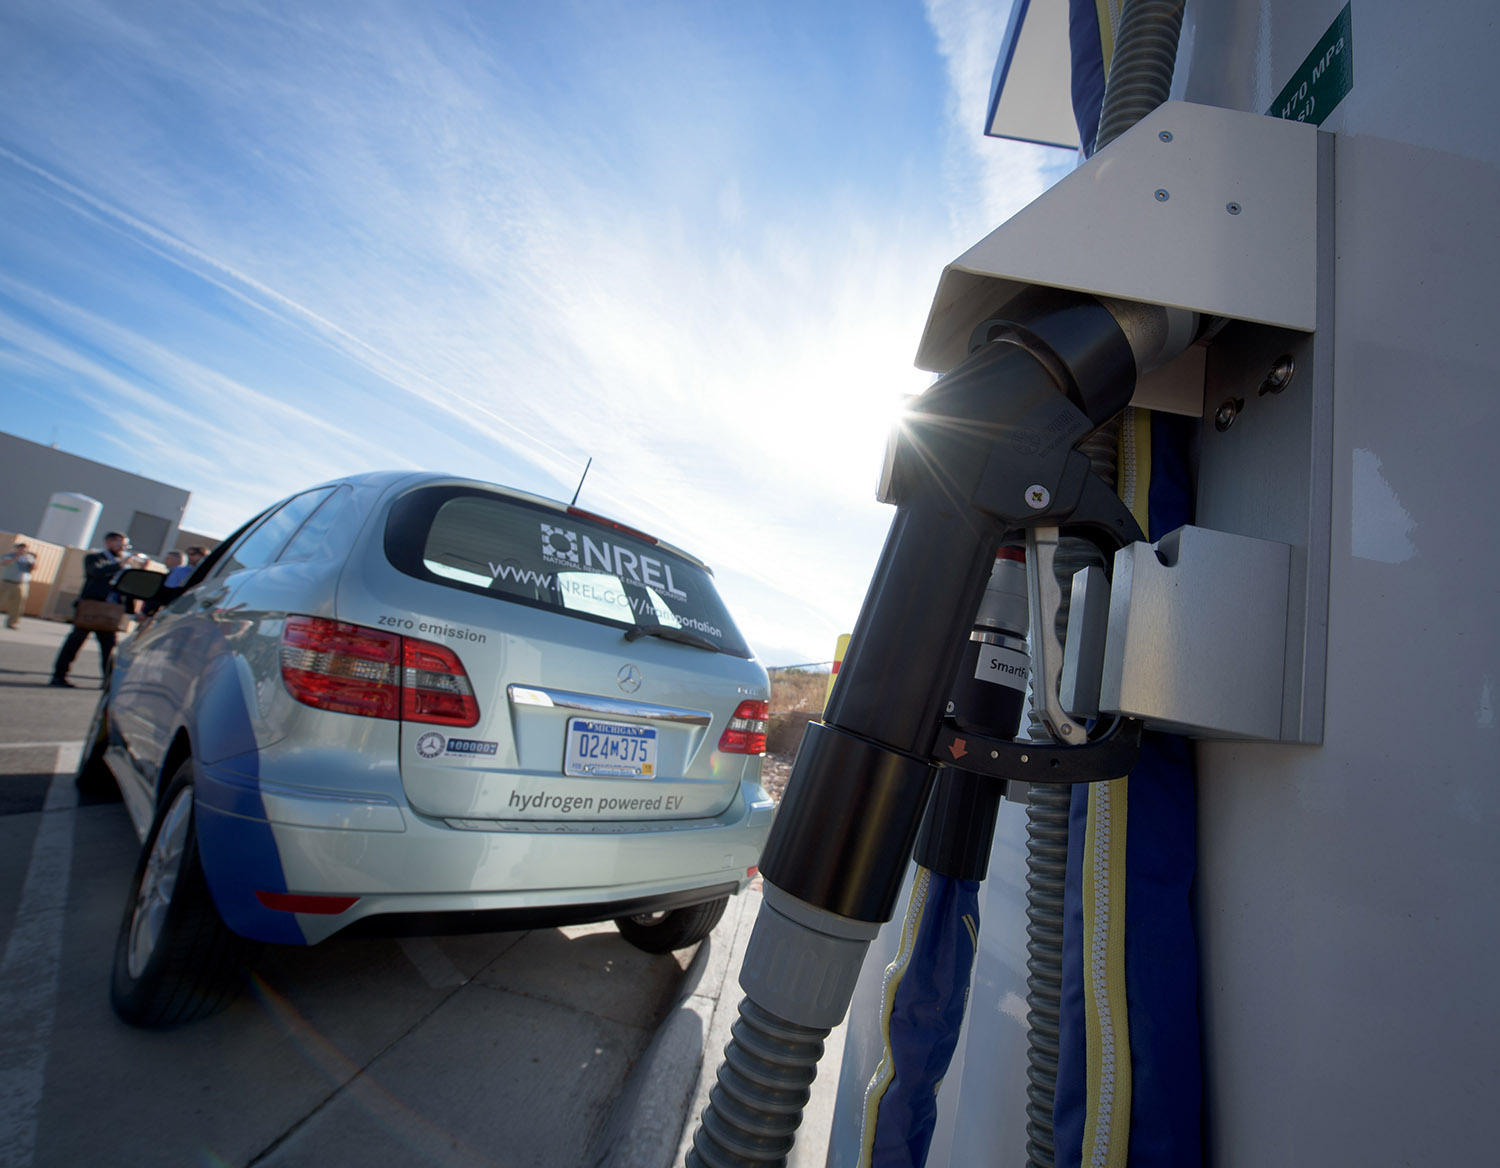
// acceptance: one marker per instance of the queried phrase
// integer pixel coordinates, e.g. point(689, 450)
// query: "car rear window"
point(527, 554)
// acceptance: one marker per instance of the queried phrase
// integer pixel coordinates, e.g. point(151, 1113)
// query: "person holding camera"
point(15, 582)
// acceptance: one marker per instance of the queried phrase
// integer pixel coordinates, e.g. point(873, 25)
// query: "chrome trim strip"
point(562, 699)
point(989, 637)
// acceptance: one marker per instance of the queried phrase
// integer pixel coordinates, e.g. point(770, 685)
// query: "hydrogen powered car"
point(406, 703)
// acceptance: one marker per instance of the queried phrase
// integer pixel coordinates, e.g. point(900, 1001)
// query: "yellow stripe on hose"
point(1135, 464)
point(1109, 23)
point(1106, 1131)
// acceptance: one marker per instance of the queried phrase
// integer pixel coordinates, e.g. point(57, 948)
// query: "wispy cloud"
point(501, 240)
point(1000, 177)
point(268, 300)
point(253, 447)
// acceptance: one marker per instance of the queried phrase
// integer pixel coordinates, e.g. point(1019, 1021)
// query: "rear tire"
point(94, 781)
point(175, 959)
point(667, 931)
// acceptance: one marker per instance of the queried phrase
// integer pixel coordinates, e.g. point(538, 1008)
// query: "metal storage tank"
point(70, 519)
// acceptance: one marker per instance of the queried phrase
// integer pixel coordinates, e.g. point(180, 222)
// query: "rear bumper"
point(432, 877)
point(500, 920)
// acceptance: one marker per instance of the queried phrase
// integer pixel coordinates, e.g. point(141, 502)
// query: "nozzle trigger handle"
point(1101, 517)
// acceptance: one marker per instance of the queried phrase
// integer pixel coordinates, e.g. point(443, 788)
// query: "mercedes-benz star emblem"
point(629, 678)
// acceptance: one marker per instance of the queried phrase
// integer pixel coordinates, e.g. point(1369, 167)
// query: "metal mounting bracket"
point(1195, 207)
point(1227, 214)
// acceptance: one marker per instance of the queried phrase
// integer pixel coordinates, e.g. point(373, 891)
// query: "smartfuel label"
point(1001, 666)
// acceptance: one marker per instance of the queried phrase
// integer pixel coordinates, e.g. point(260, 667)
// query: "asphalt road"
point(508, 1049)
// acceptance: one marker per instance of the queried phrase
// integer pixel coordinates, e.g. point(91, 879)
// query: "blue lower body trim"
point(239, 853)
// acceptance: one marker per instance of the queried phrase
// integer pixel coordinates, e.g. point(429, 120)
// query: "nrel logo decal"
point(561, 546)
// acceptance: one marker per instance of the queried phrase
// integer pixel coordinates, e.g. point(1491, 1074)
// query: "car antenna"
point(581, 477)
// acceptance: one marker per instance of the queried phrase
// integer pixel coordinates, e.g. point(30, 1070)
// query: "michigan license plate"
point(615, 749)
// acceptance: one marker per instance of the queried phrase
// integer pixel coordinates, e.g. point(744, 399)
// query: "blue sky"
point(247, 247)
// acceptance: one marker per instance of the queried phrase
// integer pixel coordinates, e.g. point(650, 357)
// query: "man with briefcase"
point(99, 608)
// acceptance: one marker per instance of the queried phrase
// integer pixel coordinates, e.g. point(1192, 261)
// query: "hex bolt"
point(1162, 196)
point(1233, 208)
point(1280, 375)
point(1227, 413)
point(1165, 135)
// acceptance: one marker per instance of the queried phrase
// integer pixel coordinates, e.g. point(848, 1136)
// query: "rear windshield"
point(519, 552)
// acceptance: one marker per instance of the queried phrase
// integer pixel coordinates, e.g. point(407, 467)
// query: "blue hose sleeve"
point(1161, 951)
point(926, 1014)
point(1087, 75)
point(1161, 959)
point(1161, 947)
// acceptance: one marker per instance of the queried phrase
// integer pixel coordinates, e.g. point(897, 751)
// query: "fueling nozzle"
point(989, 691)
point(986, 457)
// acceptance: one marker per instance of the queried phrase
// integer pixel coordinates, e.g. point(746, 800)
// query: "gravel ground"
point(774, 773)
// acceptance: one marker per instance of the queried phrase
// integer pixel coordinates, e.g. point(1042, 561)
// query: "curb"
point(656, 1115)
point(651, 1122)
point(811, 1148)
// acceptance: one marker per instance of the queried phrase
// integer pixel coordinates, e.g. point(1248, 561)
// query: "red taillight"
point(434, 686)
point(347, 668)
point(323, 906)
point(356, 670)
point(746, 732)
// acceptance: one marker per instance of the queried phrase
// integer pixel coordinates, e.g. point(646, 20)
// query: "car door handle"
point(208, 600)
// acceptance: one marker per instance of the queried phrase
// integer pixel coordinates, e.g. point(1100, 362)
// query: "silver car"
point(405, 703)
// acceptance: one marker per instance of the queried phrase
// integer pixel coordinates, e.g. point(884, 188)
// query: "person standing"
point(178, 570)
point(180, 566)
point(99, 571)
point(15, 582)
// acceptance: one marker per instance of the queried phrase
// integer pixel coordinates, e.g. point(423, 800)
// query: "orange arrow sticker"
point(958, 748)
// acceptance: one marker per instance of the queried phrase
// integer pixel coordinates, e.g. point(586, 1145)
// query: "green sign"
point(1322, 80)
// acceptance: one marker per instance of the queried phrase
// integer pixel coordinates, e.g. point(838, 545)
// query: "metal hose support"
point(1047, 808)
point(764, 1083)
point(1140, 74)
point(1046, 875)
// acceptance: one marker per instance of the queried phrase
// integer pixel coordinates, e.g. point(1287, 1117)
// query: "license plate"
point(616, 749)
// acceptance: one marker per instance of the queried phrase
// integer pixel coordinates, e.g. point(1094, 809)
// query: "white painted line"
point(431, 962)
point(29, 968)
point(36, 745)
